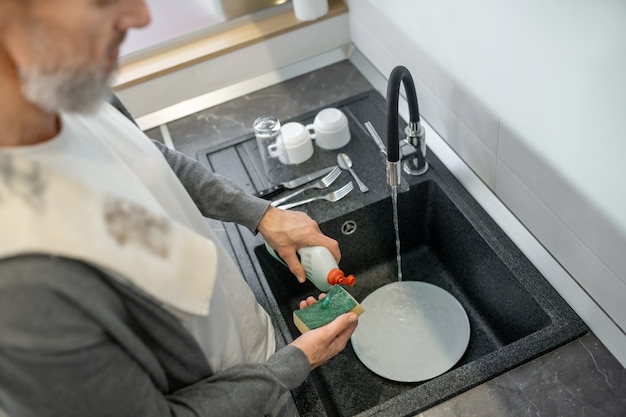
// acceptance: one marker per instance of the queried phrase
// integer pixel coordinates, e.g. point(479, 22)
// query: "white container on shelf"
point(310, 9)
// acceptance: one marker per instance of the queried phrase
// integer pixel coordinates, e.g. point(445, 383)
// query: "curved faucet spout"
point(415, 135)
point(399, 75)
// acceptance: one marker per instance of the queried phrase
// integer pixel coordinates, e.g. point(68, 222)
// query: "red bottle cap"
point(336, 276)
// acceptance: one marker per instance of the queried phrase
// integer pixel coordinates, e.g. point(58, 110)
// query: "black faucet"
point(414, 132)
point(413, 148)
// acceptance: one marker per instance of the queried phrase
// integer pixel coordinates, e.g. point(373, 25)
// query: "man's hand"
point(324, 343)
point(287, 231)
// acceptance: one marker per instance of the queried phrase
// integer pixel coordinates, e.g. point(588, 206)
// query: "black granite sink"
point(514, 314)
point(447, 239)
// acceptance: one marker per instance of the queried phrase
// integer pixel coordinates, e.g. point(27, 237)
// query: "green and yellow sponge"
point(337, 302)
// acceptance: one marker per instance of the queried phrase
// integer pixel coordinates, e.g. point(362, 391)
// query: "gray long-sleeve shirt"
point(74, 342)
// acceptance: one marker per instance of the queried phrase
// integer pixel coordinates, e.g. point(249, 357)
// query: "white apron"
point(102, 178)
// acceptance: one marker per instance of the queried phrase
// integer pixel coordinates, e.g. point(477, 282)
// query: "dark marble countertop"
point(581, 378)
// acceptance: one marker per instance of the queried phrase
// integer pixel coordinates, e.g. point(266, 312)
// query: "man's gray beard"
point(73, 92)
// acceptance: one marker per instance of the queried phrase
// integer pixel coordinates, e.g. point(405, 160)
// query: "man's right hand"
point(324, 343)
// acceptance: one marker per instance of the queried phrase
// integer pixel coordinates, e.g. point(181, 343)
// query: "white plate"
point(411, 331)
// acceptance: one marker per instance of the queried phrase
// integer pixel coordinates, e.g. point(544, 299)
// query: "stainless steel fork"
point(336, 195)
point(324, 182)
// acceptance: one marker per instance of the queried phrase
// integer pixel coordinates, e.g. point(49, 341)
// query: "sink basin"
point(446, 241)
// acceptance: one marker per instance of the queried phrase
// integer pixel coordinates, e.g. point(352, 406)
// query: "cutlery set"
point(321, 179)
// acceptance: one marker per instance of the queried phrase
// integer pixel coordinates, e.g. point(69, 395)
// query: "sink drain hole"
point(348, 227)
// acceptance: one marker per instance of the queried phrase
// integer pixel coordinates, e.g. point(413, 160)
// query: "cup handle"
point(311, 129)
point(274, 151)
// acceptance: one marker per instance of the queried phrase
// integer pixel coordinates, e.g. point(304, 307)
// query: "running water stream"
point(394, 202)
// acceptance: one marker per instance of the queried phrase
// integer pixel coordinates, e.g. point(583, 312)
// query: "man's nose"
point(133, 14)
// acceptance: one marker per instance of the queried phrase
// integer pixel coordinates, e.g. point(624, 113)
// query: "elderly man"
point(115, 297)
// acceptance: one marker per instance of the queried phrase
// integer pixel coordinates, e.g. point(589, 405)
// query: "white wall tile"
point(466, 144)
point(573, 254)
point(581, 216)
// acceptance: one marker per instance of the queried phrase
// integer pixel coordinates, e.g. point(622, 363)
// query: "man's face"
point(67, 50)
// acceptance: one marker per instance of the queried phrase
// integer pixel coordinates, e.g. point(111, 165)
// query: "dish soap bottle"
point(320, 267)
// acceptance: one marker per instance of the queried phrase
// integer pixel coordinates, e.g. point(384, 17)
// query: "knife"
point(270, 192)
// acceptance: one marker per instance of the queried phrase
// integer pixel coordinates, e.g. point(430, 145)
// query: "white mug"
point(330, 129)
point(310, 9)
point(294, 145)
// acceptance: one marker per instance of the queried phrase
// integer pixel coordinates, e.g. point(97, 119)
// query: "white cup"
point(310, 9)
point(294, 145)
point(330, 129)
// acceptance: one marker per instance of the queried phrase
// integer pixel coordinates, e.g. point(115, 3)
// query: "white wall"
point(532, 95)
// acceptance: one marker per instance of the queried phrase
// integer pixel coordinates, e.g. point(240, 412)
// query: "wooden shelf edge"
point(169, 61)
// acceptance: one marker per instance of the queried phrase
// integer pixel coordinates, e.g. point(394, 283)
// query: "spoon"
point(345, 162)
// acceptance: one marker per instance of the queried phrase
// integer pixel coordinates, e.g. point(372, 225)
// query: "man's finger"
point(291, 259)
